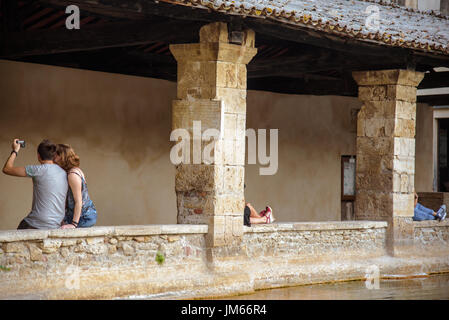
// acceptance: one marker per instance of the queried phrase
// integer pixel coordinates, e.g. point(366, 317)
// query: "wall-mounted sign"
point(348, 178)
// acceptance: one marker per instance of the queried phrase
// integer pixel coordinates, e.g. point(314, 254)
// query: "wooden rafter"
point(138, 9)
point(435, 100)
point(122, 34)
point(435, 80)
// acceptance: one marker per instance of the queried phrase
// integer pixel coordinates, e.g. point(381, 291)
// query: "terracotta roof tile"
point(397, 26)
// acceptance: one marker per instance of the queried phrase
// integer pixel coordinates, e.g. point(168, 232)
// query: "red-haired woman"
point(80, 211)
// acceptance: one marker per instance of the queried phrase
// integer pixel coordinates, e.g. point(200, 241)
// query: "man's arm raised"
point(9, 168)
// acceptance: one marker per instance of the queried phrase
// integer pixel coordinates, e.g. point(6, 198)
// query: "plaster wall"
point(314, 132)
point(120, 126)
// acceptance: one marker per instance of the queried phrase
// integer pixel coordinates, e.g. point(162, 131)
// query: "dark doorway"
point(443, 147)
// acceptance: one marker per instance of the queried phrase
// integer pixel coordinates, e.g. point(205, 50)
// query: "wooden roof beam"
point(139, 9)
point(110, 35)
point(435, 100)
point(435, 80)
point(342, 87)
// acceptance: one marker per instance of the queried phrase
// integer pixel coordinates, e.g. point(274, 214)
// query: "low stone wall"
point(317, 241)
point(47, 263)
point(111, 262)
point(432, 233)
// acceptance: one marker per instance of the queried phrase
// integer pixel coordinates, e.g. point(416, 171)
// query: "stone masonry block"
point(233, 100)
point(230, 152)
point(384, 77)
point(403, 204)
point(240, 152)
point(404, 128)
point(227, 74)
point(208, 51)
point(241, 76)
point(373, 93)
point(197, 177)
point(403, 93)
point(210, 204)
point(235, 53)
point(404, 147)
point(233, 204)
point(378, 127)
point(35, 252)
point(237, 226)
point(411, 179)
point(241, 127)
point(214, 32)
point(361, 126)
point(216, 232)
point(384, 109)
point(234, 177)
point(193, 74)
point(14, 247)
point(374, 182)
point(373, 204)
point(405, 110)
point(375, 145)
point(205, 51)
point(404, 164)
point(403, 179)
point(198, 152)
point(369, 164)
point(196, 92)
point(404, 183)
point(208, 112)
point(249, 38)
point(396, 182)
point(50, 245)
point(230, 126)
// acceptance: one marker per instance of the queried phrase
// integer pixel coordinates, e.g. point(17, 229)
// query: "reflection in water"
point(424, 288)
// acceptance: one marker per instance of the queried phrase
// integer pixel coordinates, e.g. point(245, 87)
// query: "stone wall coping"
point(134, 230)
point(157, 229)
point(430, 223)
point(314, 226)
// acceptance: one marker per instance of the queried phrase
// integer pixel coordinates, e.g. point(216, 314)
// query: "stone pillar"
point(408, 3)
point(444, 7)
point(211, 91)
point(385, 170)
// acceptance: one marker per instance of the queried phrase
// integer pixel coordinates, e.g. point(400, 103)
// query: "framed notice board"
point(348, 178)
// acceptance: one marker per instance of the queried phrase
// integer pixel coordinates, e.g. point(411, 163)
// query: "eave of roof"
point(398, 26)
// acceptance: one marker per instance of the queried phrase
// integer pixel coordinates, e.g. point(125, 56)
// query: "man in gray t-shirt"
point(49, 187)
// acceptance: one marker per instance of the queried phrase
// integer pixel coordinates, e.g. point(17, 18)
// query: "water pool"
point(418, 288)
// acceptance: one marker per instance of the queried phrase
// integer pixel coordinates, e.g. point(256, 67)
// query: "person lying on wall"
point(250, 215)
point(422, 213)
point(80, 211)
point(49, 186)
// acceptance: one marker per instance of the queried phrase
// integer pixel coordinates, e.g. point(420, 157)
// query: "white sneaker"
point(269, 215)
point(441, 213)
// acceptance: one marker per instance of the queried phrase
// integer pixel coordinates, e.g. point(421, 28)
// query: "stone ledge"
point(136, 230)
point(312, 226)
point(430, 223)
